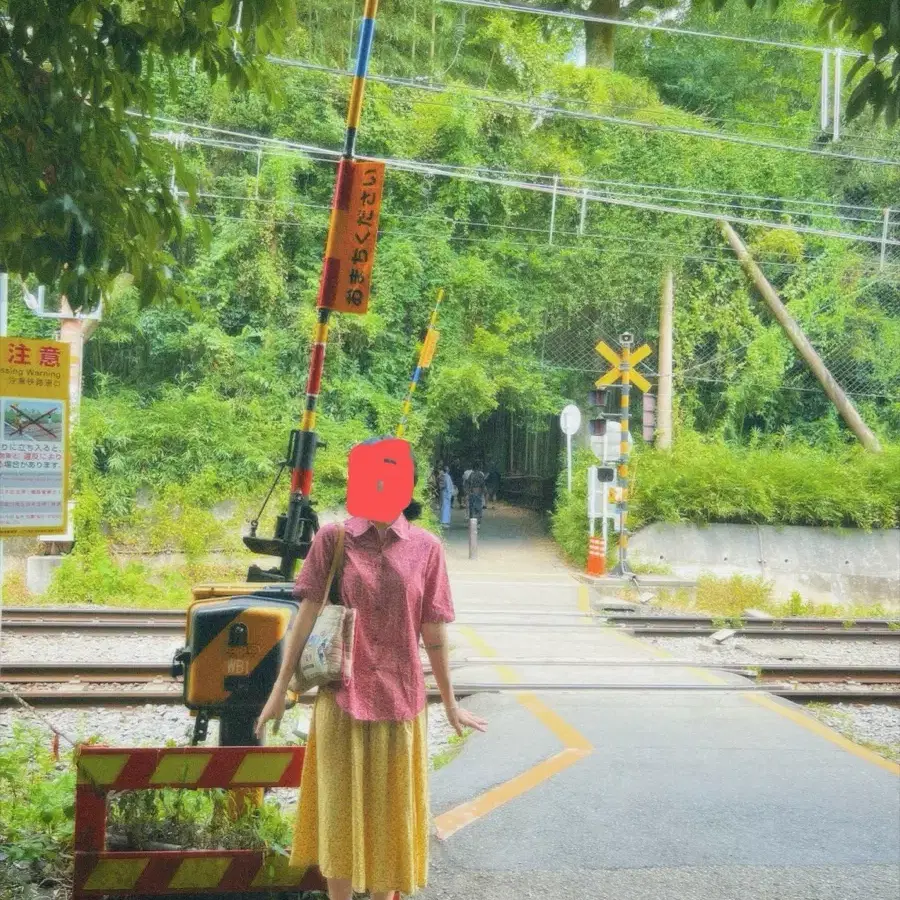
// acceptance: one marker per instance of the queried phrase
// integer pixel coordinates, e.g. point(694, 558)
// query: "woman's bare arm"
point(296, 641)
point(434, 636)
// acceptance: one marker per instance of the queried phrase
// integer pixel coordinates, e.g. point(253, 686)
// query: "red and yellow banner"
point(350, 253)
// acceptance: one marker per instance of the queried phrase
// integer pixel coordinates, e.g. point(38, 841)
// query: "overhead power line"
point(643, 26)
point(500, 178)
point(619, 121)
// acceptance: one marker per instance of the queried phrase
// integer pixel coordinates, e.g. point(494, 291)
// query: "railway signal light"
point(596, 426)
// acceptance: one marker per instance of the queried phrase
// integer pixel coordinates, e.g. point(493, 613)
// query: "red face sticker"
point(380, 480)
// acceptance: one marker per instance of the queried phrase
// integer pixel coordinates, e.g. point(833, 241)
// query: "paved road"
point(703, 796)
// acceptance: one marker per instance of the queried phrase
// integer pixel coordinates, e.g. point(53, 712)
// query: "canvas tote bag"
point(327, 656)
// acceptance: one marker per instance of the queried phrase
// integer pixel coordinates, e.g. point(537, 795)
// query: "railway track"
point(86, 684)
point(793, 622)
point(164, 621)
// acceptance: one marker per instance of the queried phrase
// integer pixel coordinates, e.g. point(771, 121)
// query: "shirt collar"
point(357, 526)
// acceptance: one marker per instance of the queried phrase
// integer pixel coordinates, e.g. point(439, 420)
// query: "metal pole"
point(625, 403)
point(591, 495)
point(664, 408)
point(569, 459)
point(583, 217)
point(884, 236)
point(823, 90)
point(837, 96)
point(473, 538)
point(414, 381)
point(258, 166)
point(798, 338)
point(553, 208)
point(302, 475)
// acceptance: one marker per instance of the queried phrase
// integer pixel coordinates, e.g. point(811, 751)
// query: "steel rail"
point(100, 672)
point(619, 618)
point(753, 631)
point(91, 673)
point(126, 697)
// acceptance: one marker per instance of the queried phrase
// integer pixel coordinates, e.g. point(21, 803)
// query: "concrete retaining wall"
point(826, 565)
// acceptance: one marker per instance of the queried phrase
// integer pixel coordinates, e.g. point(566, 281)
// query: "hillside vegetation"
point(189, 404)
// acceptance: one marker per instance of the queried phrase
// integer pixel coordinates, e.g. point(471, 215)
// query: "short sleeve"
point(437, 603)
point(310, 583)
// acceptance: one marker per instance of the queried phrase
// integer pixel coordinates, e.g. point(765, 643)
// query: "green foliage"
point(730, 597)
point(703, 481)
point(193, 819)
point(189, 402)
point(874, 25)
point(85, 192)
point(786, 483)
point(37, 796)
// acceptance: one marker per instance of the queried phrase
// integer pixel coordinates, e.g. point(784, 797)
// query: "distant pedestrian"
point(464, 490)
point(475, 488)
point(492, 485)
point(456, 473)
point(447, 489)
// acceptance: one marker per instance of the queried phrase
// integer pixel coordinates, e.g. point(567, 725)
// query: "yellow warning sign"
point(620, 365)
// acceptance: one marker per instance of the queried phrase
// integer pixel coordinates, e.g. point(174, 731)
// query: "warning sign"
point(350, 253)
point(34, 436)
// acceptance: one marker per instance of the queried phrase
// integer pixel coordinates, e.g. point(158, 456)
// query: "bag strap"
point(336, 559)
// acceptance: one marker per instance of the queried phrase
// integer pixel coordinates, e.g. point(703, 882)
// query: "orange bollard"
point(596, 561)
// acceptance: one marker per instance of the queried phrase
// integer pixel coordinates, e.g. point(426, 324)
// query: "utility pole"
point(797, 337)
point(664, 404)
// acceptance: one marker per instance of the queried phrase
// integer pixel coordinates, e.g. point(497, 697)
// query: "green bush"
point(37, 795)
point(780, 483)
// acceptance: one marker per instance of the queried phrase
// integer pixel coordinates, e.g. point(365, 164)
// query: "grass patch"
point(726, 599)
point(639, 567)
point(454, 748)
point(37, 794)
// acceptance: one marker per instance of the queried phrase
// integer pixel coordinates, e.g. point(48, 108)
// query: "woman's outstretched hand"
point(460, 719)
point(273, 710)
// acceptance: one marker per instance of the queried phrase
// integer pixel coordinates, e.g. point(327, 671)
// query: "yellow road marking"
point(466, 813)
point(577, 747)
point(798, 716)
point(569, 736)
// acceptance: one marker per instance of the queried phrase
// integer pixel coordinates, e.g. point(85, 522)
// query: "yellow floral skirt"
point(363, 810)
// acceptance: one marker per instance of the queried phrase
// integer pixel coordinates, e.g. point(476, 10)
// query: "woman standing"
point(446, 496)
point(363, 812)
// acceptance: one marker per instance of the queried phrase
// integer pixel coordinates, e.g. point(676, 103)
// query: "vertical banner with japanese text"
point(34, 443)
point(351, 254)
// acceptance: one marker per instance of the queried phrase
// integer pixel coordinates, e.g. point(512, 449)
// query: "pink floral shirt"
point(395, 585)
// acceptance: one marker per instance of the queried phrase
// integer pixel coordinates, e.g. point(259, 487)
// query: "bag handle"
point(336, 558)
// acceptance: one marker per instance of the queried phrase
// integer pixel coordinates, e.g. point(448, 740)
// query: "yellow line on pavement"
point(577, 747)
point(796, 715)
point(507, 674)
point(466, 813)
point(567, 734)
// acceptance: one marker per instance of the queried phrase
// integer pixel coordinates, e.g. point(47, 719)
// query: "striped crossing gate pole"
point(305, 449)
point(425, 357)
point(626, 342)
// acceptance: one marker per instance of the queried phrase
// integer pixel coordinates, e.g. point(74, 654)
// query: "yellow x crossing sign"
point(616, 361)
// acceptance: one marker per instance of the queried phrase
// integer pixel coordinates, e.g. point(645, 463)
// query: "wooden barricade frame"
point(103, 873)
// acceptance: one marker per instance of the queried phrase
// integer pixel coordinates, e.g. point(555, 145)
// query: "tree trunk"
point(600, 39)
